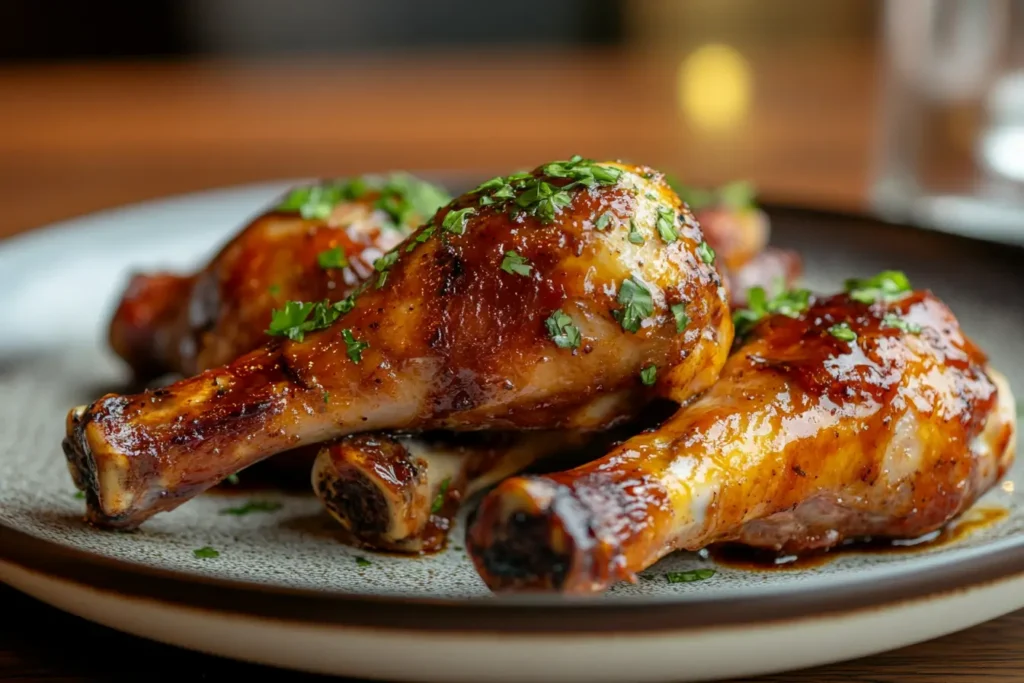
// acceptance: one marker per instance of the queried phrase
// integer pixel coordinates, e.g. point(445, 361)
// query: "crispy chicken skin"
point(807, 439)
point(183, 324)
point(445, 338)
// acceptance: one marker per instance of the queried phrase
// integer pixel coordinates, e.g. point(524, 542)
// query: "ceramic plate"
point(285, 591)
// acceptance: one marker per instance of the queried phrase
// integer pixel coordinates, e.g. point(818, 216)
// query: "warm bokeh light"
point(715, 86)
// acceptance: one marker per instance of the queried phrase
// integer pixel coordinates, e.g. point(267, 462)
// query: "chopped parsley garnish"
point(706, 253)
point(679, 313)
point(252, 506)
point(80, 495)
point(206, 552)
point(842, 332)
point(666, 224)
point(689, 576)
point(438, 503)
point(790, 303)
point(538, 195)
point(889, 285)
point(293, 321)
point(232, 479)
point(362, 561)
point(332, 258)
point(382, 265)
point(893, 320)
point(637, 304)
point(409, 200)
point(563, 331)
point(405, 199)
point(649, 375)
point(327, 396)
point(603, 220)
point(543, 200)
point(634, 235)
point(354, 347)
point(274, 289)
point(455, 221)
point(738, 195)
point(514, 264)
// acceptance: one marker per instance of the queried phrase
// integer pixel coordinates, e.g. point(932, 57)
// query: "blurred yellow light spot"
point(715, 87)
point(1008, 486)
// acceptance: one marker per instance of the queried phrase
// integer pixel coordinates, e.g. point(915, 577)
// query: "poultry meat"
point(562, 298)
point(320, 241)
point(865, 413)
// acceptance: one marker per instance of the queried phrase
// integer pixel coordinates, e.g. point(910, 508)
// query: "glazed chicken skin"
point(846, 420)
point(320, 241)
point(558, 299)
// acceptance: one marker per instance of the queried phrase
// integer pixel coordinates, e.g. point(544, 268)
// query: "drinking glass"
point(950, 149)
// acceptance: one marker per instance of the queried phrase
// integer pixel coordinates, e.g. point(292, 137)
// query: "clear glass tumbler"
point(951, 131)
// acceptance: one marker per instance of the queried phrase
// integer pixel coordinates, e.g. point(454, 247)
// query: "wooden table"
point(79, 138)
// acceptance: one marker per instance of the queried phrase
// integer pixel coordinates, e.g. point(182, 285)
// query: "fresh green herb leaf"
point(408, 200)
point(649, 375)
point(363, 562)
point(893, 320)
point(889, 285)
point(383, 265)
point(455, 221)
point(563, 331)
point(438, 502)
point(679, 313)
point(739, 195)
point(689, 576)
point(80, 495)
point(315, 202)
point(790, 303)
point(706, 253)
point(492, 184)
point(274, 289)
point(252, 506)
point(637, 302)
point(515, 264)
point(385, 261)
point(694, 197)
point(291, 320)
point(666, 224)
point(603, 220)
point(634, 235)
point(332, 258)
point(537, 196)
point(206, 552)
point(327, 396)
point(232, 479)
point(354, 347)
point(842, 332)
point(405, 199)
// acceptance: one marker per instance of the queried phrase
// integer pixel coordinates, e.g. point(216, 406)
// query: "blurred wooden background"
point(712, 90)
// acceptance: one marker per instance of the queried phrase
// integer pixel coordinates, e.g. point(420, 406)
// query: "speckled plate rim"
point(951, 570)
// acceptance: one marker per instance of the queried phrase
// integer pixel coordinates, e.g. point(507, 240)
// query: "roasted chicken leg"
point(560, 298)
point(867, 413)
point(320, 241)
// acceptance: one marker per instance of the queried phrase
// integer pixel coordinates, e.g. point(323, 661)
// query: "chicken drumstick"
point(560, 298)
point(319, 241)
point(867, 413)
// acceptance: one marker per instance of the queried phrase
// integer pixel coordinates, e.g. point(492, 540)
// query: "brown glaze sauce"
point(736, 556)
